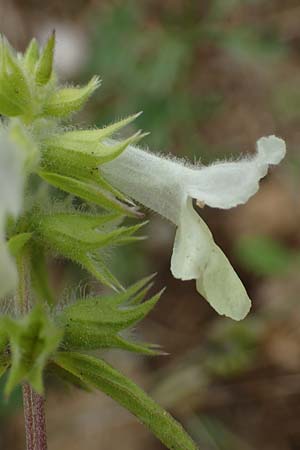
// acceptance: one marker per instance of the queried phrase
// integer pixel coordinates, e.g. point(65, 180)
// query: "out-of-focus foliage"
point(149, 66)
point(265, 256)
point(151, 63)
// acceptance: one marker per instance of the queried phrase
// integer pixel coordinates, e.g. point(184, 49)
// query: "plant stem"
point(28, 416)
point(33, 403)
point(39, 421)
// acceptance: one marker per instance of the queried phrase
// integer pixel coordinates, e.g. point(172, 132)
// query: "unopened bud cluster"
point(28, 85)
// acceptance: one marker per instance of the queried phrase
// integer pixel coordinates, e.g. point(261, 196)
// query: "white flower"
point(168, 186)
point(11, 186)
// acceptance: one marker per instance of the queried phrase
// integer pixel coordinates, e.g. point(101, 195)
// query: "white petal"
point(11, 186)
point(192, 245)
point(196, 256)
point(228, 184)
point(222, 288)
point(11, 176)
point(271, 149)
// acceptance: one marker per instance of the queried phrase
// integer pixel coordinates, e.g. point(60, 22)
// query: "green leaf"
point(32, 340)
point(100, 375)
point(95, 322)
point(67, 377)
point(69, 100)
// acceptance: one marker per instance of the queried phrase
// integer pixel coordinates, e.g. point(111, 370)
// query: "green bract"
point(55, 202)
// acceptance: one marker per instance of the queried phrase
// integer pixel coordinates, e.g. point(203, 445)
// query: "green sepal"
point(96, 322)
point(31, 56)
point(76, 226)
point(80, 236)
point(96, 135)
point(66, 230)
point(99, 313)
point(66, 101)
point(86, 190)
point(121, 343)
point(32, 339)
point(15, 97)
point(131, 209)
point(97, 374)
point(17, 243)
point(50, 229)
point(77, 158)
point(45, 64)
point(94, 264)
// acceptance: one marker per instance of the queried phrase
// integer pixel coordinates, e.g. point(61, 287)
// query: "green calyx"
point(72, 160)
point(81, 237)
point(98, 322)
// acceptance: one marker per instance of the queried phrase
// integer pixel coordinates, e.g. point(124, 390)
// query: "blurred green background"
point(211, 77)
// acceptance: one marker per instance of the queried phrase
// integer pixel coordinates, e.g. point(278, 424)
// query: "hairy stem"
point(28, 416)
point(33, 403)
point(39, 421)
